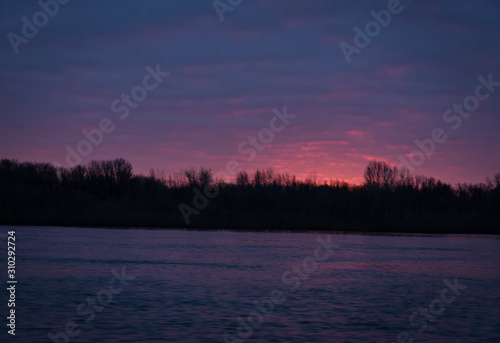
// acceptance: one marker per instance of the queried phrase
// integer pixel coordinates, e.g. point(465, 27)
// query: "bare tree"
point(405, 178)
point(242, 178)
point(496, 180)
point(259, 178)
point(191, 177)
point(312, 178)
point(205, 177)
point(380, 174)
point(269, 176)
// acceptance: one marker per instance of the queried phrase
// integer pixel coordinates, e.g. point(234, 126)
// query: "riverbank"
point(107, 194)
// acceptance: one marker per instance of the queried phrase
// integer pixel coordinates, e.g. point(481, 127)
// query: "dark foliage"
point(106, 193)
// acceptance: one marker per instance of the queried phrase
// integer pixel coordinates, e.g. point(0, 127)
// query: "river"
point(114, 285)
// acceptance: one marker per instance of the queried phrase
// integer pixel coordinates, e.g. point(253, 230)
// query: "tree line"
point(108, 194)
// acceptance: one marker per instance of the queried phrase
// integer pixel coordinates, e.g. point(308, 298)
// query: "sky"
point(342, 87)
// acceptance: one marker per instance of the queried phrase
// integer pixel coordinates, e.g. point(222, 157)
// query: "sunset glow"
point(226, 79)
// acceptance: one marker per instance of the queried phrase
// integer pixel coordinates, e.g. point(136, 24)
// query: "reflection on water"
point(193, 286)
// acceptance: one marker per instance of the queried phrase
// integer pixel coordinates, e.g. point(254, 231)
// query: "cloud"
point(227, 77)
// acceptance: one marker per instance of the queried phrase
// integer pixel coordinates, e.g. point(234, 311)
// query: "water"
point(193, 286)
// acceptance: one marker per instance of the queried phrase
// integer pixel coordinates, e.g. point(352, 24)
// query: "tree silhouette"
point(381, 174)
point(107, 193)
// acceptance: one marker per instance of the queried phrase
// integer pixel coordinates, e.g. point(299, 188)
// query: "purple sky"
point(227, 77)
